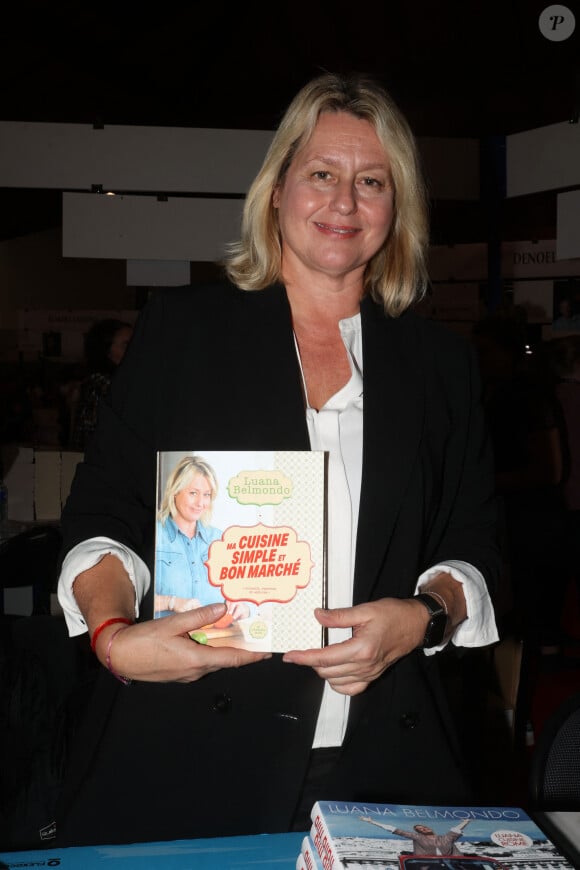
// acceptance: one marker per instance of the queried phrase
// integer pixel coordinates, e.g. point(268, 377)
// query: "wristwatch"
point(435, 631)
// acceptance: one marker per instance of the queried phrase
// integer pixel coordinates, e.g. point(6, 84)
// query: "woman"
point(182, 541)
point(105, 346)
point(182, 538)
point(322, 353)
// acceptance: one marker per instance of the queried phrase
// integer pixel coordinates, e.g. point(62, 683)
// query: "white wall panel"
point(568, 240)
point(124, 158)
point(547, 158)
point(535, 259)
point(145, 228)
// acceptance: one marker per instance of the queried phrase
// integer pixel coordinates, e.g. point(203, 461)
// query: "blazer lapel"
point(278, 413)
point(393, 419)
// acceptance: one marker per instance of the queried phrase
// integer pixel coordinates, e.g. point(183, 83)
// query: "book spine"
point(310, 858)
point(322, 841)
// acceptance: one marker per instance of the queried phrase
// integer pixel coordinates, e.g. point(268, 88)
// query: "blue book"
point(216, 853)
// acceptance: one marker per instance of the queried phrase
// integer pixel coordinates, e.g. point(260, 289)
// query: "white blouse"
point(338, 428)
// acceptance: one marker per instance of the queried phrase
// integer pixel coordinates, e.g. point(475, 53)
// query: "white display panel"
point(146, 228)
point(124, 159)
point(568, 237)
point(547, 158)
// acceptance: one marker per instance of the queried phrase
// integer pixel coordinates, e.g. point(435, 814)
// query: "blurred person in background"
point(105, 346)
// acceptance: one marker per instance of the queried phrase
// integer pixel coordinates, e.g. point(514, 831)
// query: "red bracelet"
point(105, 624)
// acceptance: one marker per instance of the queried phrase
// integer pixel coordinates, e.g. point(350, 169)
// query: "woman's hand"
point(382, 632)
point(160, 650)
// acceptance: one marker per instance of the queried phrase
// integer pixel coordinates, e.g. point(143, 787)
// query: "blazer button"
point(409, 720)
point(221, 704)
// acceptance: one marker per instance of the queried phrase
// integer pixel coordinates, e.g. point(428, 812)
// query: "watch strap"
point(432, 603)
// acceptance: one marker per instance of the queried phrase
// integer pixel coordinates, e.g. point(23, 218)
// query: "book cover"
point(308, 859)
point(415, 837)
point(247, 528)
point(258, 852)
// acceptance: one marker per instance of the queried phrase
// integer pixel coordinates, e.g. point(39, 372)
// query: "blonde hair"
point(179, 478)
point(397, 274)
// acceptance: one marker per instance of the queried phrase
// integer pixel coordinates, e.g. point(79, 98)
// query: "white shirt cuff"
point(479, 629)
point(86, 555)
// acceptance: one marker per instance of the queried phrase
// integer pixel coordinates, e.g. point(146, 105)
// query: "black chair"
point(554, 777)
point(30, 559)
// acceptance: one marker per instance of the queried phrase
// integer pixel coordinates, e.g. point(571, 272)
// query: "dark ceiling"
point(461, 68)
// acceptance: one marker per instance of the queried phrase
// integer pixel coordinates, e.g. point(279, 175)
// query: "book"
point(250, 852)
point(247, 528)
point(308, 858)
point(416, 837)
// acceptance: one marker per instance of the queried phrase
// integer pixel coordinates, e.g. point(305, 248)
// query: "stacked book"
point(361, 836)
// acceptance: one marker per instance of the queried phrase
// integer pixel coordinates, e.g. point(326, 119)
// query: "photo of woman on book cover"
point(183, 538)
point(425, 840)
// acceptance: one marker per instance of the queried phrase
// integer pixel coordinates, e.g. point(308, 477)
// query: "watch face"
point(435, 630)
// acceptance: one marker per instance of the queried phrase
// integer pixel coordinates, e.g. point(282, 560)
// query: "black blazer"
point(215, 366)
